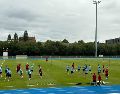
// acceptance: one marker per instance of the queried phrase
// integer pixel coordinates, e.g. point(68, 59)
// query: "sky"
point(60, 19)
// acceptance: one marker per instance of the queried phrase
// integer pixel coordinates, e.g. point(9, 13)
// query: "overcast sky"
point(59, 19)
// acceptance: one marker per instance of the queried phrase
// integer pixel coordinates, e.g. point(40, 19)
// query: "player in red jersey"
point(94, 79)
point(27, 67)
point(18, 67)
point(106, 73)
point(99, 79)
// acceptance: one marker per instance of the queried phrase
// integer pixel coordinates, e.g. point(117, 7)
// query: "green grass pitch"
point(54, 73)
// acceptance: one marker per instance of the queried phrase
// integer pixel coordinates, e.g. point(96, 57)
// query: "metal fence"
point(62, 57)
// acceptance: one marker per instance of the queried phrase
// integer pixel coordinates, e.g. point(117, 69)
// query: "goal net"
point(21, 56)
point(5, 55)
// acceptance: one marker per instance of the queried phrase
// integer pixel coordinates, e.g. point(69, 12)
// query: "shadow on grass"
point(78, 83)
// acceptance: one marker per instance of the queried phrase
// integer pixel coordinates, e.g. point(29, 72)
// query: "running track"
point(67, 90)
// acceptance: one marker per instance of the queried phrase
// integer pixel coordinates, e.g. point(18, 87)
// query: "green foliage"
point(65, 41)
point(58, 48)
point(25, 36)
point(15, 37)
point(9, 37)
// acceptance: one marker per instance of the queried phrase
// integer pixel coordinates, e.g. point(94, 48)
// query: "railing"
point(60, 57)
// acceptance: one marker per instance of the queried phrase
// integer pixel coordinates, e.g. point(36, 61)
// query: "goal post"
point(21, 56)
point(5, 55)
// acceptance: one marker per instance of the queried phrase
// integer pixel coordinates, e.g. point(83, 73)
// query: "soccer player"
point(18, 67)
point(29, 74)
point(86, 71)
point(67, 68)
point(89, 68)
point(73, 65)
point(84, 67)
point(31, 67)
point(0, 71)
point(94, 79)
point(103, 68)
point(99, 79)
point(21, 73)
point(6, 69)
point(40, 72)
point(99, 69)
point(27, 67)
point(79, 68)
point(106, 73)
point(72, 70)
point(9, 74)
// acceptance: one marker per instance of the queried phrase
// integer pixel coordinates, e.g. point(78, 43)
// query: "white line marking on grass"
point(50, 84)
point(52, 87)
point(71, 83)
point(30, 85)
point(8, 86)
point(51, 93)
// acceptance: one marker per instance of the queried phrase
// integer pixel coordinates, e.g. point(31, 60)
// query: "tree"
point(25, 35)
point(15, 37)
point(81, 42)
point(65, 41)
point(9, 37)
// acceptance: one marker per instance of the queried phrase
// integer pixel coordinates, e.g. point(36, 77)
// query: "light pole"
point(96, 3)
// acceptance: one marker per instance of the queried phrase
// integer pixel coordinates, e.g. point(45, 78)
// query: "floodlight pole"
point(96, 3)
